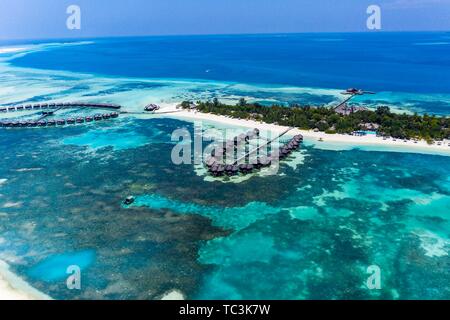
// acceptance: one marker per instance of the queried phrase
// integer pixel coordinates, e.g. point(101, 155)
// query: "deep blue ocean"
point(401, 62)
point(309, 232)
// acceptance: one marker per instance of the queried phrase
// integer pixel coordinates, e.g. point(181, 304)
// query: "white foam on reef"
point(3, 181)
point(12, 49)
point(30, 48)
point(433, 245)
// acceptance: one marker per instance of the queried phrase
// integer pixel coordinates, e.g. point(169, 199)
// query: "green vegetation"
point(382, 120)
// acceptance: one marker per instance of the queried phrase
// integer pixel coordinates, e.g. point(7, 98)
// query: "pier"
point(265, 144)
point(343, 108)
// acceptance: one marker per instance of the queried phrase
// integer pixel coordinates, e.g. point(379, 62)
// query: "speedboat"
point(129, 200)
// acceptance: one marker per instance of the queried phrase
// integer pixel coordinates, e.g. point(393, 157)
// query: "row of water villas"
point(49, 109)
point(39, 106)
point(248, 152)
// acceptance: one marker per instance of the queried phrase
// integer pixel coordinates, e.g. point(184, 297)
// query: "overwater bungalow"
point(229, 170)
point(242, 167)
point(210, 161)
point(220, 169)
point(152, 107)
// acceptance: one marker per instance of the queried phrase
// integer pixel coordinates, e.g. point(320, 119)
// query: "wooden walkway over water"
point(262, 146)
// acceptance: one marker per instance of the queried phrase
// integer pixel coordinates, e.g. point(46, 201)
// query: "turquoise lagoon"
point(310, 232)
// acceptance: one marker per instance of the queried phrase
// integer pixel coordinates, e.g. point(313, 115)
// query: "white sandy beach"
point(341, 140)
point(14, 288)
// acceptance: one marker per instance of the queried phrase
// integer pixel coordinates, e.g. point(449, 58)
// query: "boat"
point(128, 200)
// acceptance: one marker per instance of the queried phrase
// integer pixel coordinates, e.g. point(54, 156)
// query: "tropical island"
point(331, 121)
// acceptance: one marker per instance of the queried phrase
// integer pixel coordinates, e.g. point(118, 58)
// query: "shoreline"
point(342, 141)
point(12, 287)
